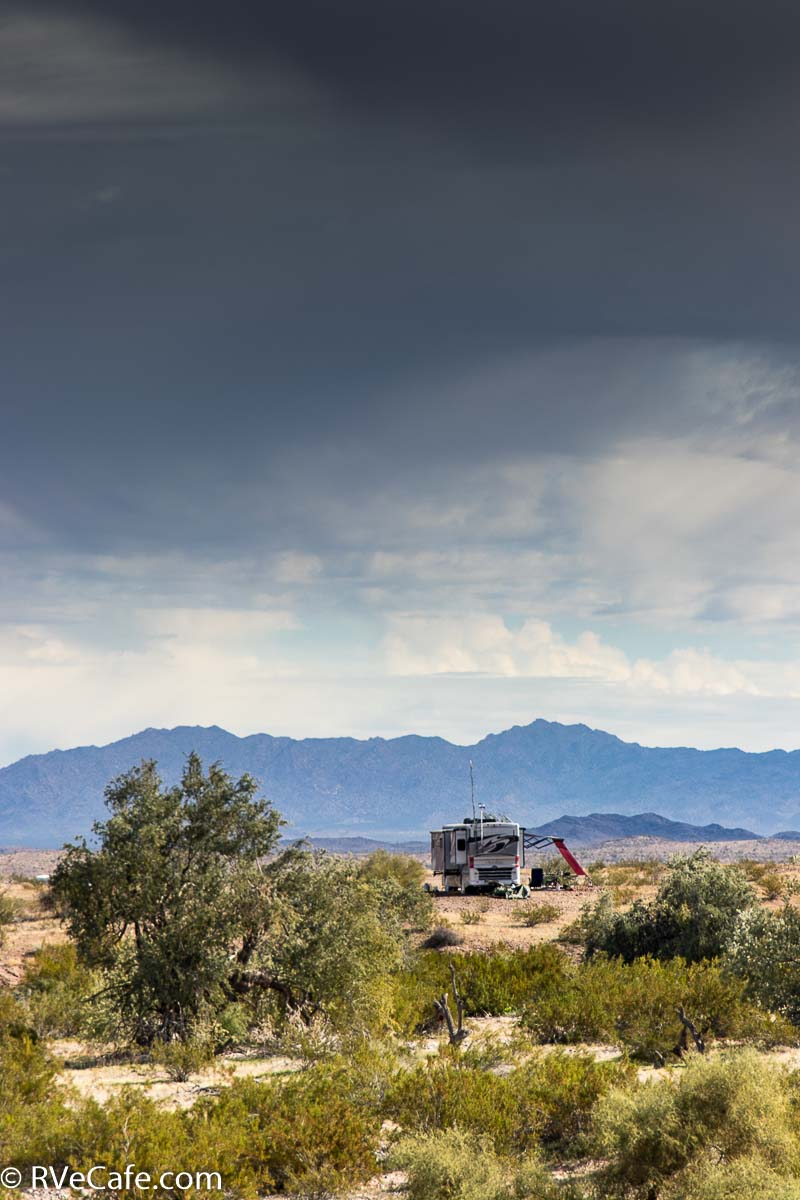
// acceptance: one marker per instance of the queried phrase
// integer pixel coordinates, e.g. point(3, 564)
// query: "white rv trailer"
point(479, 852)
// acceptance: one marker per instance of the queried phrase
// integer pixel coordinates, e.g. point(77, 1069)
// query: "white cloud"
point(420, 644)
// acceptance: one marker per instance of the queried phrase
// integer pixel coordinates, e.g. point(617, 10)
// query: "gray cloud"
point(343, 316)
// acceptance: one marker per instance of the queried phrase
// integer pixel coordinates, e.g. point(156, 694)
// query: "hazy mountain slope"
point(403, 786)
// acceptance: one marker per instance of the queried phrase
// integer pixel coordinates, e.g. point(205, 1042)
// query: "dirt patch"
point(105, 1079)
point(500, 921)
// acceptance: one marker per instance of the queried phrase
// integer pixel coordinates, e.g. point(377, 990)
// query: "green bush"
point(592, 925)
point(305, 1134)
point(692, 916)
point(401, 878)
point(10, 910)
point(497, 982)
point(547, 1101)
point(31, 1103)
point(733, 1107)
point(316, 1132)
point(471, 916)
point(744, 1179)
point(128, 1127)
point(539, 914)
point(636, 1004)
point(55, 988)
point(182, 1059)
point(452, 1165)
point(766, 876)
point(764, 951)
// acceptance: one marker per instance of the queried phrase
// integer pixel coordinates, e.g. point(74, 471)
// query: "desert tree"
point(156, 903)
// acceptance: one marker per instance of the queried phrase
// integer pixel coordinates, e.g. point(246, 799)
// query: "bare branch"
point(689, 1027)
point(442, 1006)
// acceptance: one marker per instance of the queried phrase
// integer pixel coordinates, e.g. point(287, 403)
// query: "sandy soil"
point(27, 934)
point(104, 1079)
point(501, 920)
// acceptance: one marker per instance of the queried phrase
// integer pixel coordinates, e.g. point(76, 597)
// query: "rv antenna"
point(472, 788)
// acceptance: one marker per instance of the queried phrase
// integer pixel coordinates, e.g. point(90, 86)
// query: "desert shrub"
point(497, 982)
point(56, 988)
point(10, 910)
point(493, 1050)
point(471, 916)
point(547, 1101)
point(441, 937)
point(561, 1090)
point(736, 1106)
point(691, 917)
point(636, 1004)
point(766, 876)
point(401, 878)
point(538, 914)
point(31, 1103)
point(128, 1127)
point(442, 1094)
point(182, 1059)
point(592, 925)
point(744, 1179)
point(764, 950)
point(303, 1135)
point(451, 1165)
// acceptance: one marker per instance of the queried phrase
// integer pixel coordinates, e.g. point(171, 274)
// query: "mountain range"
point(398, 788)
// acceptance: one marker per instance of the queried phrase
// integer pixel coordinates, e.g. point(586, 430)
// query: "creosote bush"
point(56, 989)
point(10, 909)
point(538, 914)
point(495, 983)
point(317, 1131)
point(635, 1005)
point(452, 1165)
point(547, 1101)
point(401, 877)
point(692, 916)
point(673, 1137)
point(182, 1059)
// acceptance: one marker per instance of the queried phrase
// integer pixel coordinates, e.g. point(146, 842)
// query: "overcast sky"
point(417, 367)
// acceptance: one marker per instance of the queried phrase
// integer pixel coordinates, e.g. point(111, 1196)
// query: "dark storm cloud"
point(303, 279)
point(527, 66)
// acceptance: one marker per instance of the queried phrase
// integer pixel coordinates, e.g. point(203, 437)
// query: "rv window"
point(461, 844)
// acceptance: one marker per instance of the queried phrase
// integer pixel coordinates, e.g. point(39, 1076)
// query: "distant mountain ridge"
point(400, 787)
point(591, 830)
point(605, 827)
